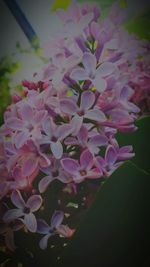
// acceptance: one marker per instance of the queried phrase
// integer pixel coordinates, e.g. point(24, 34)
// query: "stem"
point(23, 22)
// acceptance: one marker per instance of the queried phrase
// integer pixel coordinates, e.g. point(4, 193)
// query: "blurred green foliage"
point(7, 68)
point(140, 25)
point(60, 4)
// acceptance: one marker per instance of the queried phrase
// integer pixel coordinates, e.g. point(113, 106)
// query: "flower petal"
point(79, 74)
point(86, 159)
point(87, 100)
point(111, 155)
point(44, 183)
point(70, 165)
point(98, 140)
point(83, 135)
point(76, 124)
point(39, 116)
point(68, 106)
point(43, 242)
point(65, 231)
point(17, 199)
point(30, 222)
point(21, 138)
point(85, 20)
point(42, 227)
point(89, 62)
point(29, 166)
point(15, 124)
point(71, 141)
point(57, 149)
point(100, 84)
point(63, 131)
point(34, 202)
point(57, 218)
point(96, 115)
point(47, 127)
point(12, 214)
point(25, 111)
point(105, 69)
point(44, 161)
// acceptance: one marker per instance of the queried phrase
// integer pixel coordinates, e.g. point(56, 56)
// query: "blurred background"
point(19, 59)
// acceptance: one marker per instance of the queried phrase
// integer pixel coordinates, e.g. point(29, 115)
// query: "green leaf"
point(140, 142)
point(116, 228)
point(60, 4)
point(140, 25)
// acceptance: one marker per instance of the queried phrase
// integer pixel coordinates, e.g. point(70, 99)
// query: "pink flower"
point(84, 169)
point(86, 110)
point(91, 140)
point(61, 65)
point(54, 135)
point(29, 158)
point(96, 74)
point(27, 125)
point(54, 172)
point(24, 210)
point(114, 157)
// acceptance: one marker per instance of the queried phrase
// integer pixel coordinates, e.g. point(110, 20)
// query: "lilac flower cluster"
point(64, 126)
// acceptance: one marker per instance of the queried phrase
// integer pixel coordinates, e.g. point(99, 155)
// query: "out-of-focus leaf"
point(116, 230)
point(60, 4)
point(7, 68)
point(140, 25)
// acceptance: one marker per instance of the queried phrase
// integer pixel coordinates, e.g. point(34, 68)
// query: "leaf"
point(60, 4)
point(140, 25)
point(116, 228)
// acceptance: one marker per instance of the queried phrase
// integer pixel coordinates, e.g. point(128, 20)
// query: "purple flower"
point(96, 74)
point(61, 65)
point(84, 169)
point(24, 211)
point(91, 140)
point(54, 135)
point(53, 172)
point(56, 227)
point(27, 125)
point(114, 157)
point(86, 110)
point(29, 158)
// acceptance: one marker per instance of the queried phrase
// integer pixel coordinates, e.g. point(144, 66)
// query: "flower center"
point(81, 113)
point(26, 210)
point(92, 76)
point(83, 173)
point(30, 127)
point(52, 230)
point(53, 139)
point(55, 173)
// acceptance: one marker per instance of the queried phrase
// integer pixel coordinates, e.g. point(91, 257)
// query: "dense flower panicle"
point(63, 125)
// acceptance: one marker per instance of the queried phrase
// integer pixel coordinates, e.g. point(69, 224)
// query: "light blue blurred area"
point(45, 25)
point(38, 14)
